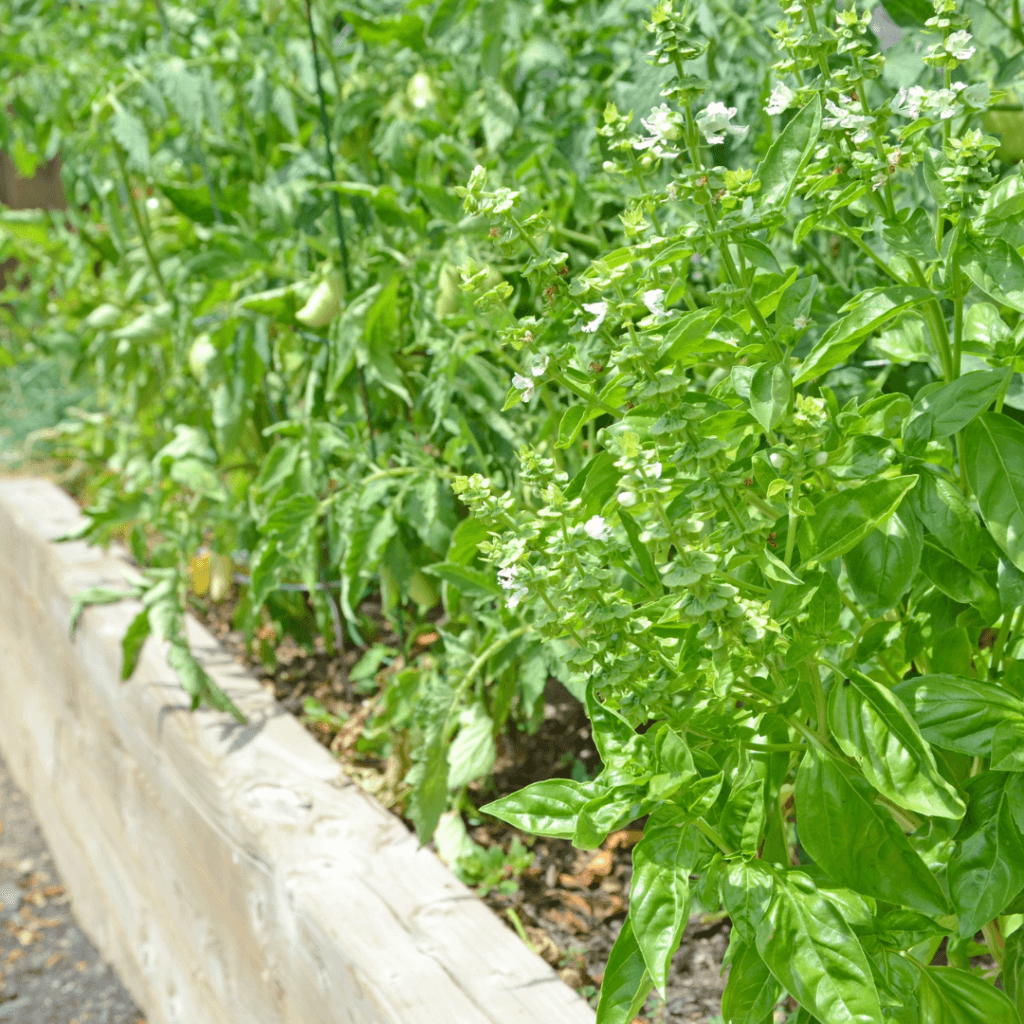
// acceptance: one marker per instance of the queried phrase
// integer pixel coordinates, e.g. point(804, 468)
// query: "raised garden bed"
point(569, 903)
point(228, 873)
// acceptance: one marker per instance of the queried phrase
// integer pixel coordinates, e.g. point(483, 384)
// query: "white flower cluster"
point(525, 384)
point(664, 127)
point(715, 121)
point(596, 528)
point(847, 115)
point(599, 310)
point(515, 590)
point(941, 103)
point(781, 99)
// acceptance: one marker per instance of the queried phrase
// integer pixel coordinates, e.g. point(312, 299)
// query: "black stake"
point(336, 206)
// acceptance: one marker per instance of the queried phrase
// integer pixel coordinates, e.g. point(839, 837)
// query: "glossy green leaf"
point(747, 890)
point(778, 172)
point(987, 867)
point(874, 727)
point(752, 990)
point(951, 996)
point(858, 318)
point(771, 391)
point(607, 811)
point(964, 585)
point(856, 840)
point(659, 895)
point(572, 423)
point(940, 506)
point(743, 818)
point(546, 808)
point(996, 268)
point(626, 983)
point(960, 714)
point(816, 956)
point(883, 565)
point(994, 454)
point(952, 406)
point(843, 519)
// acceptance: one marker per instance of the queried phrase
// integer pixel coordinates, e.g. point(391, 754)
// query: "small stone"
point(571, 977)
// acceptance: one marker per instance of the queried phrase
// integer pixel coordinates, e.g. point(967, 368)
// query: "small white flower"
point(654, 470)
point(777, 460)
point(538, 370)
point(801, 323)
point(599, 310)
point(942, 103)
point(908, 102)
point(781, 99)
point(663, 126)
point(524, 384)
point(507, 581)
point(820, 458)
point(595, 527)
point(846, 117)
point(153, 203)
point(958, 45)
point(652, 300)
point(627, 499)
point(714, 123)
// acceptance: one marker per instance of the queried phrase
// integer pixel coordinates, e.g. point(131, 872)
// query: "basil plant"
point(788, 561)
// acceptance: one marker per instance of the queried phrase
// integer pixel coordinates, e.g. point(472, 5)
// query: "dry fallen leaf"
point(81, 965)
point(571, 977)
point(602, 863)
point(566, 920)
point(53, 959)
point(544, 944)
point(576, 902)
point(15, 954)
point(54, 890)
point(625, 837)
point(37, 898)
point(25, 937)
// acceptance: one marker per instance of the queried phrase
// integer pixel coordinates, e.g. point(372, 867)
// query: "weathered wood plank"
point(231, 874)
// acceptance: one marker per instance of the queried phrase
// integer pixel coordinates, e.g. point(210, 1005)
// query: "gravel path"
point(50, 973)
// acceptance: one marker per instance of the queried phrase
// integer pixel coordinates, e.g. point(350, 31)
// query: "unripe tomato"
point(324, 304)
point(202, 351)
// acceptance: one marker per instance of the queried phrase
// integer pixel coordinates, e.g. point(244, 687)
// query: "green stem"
point(589, 397)
point(141, 225)
point(794, 497)
point(713, 836)
point(994, 941)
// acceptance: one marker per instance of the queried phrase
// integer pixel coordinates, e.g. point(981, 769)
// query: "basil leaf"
point(858, 318)
point(996, 268)
point(659, 895)
point(771, 391)
point(952, 406)
point(960, 714)
point(994, 454)
point(874, 727)
point(842, 520)
point(779, 169)
point(950, 996)
point(987, 867)
point(814, 953)
point(857, 841)
point(752, 991)
point(626, 982)
point(940, 506)
point(546, 808)
point(883, 565)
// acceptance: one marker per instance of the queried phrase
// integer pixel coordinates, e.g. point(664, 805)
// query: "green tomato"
point(202, 351)
point(324, 304)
